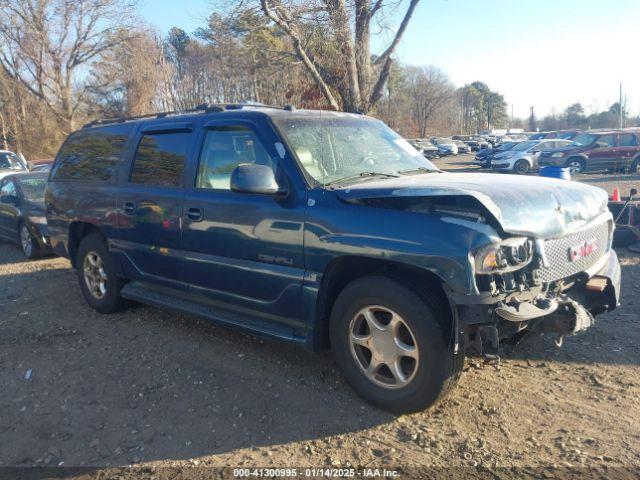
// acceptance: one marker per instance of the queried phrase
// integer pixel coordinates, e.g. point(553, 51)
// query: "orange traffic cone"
point(616, 195)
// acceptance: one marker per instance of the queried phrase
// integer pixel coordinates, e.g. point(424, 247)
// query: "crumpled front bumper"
point(571, 311)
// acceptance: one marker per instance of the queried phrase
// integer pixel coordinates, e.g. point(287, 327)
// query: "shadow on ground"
point(145, 384)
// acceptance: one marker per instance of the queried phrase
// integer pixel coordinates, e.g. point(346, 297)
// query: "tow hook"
point(569, 319)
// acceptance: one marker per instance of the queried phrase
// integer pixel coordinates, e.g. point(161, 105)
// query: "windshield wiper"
point(361, 175)
point(417, 170)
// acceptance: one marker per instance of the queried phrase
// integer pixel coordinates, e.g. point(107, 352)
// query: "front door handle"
point(129, 207)
point(195, 214)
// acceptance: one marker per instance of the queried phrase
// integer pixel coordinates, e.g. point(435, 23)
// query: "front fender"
point(440, 245)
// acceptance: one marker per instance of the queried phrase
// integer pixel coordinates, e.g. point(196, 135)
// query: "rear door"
point(627, 149)
point(604, 156)
point(243, 252)
point(9, 215)
point(150, 206)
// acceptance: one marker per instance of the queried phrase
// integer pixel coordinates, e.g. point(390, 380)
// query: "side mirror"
point(252, 178)
point(10, 199)
point(535, 152)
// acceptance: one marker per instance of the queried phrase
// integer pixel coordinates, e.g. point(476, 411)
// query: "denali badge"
point(583, 250)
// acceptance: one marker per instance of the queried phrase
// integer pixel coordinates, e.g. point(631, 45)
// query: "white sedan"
point(524, 157)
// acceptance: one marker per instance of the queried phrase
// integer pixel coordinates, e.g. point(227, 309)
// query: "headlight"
point(506, 256)
point(557, 154)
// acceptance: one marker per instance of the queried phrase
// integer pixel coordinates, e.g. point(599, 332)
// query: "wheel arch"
point(344, 270)
point(77, 231)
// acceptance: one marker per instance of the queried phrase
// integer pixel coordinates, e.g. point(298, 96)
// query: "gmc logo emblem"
point(583, 250)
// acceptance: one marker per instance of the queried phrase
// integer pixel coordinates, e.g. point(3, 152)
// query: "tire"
point(521, 167)
point(575, 165)
point(634, 165)
point(427, 377)
point(29, 245)
point(97, 275)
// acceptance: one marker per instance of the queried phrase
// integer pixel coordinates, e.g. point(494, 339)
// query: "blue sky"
point(542, 53)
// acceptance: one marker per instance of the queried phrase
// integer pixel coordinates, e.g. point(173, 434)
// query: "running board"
point(166, 299)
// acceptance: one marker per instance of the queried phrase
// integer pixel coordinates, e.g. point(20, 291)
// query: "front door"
point(150, 207)
point(243, 251)
point(603, 156)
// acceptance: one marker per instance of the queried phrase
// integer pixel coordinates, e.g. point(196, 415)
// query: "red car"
point(597, 150)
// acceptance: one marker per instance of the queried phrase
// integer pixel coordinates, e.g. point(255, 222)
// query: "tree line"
point(64, 63)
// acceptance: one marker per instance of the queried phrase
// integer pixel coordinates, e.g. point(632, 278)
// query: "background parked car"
point(462, 146)
point(484, 157)
point(482, 143)
point(10, 163)
point(45, 167)
point(22, 212)
point(524, 156)
point(445, 146)
point(598, 150)
point(424, 147)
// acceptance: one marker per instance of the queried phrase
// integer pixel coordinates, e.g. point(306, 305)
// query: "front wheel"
point(575, 165)
point(97, 275)
point(391, 348)
point(521, 167)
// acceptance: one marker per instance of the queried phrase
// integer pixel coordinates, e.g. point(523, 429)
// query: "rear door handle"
point(129, 207)
point(195, 214)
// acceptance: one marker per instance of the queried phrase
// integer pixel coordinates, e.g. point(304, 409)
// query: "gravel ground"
point(172, 394)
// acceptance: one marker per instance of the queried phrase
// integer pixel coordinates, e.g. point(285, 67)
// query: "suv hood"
point(532, 206)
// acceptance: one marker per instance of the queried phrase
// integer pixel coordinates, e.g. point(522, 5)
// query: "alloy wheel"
point(25, 241)
point(384, 347)
point(94, 274)
point(575, 166)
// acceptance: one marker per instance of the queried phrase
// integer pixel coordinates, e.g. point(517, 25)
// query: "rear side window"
point(628, 140)
point(91, 155)
point(160, 159)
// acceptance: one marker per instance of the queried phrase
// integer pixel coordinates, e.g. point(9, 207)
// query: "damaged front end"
point(555, 285)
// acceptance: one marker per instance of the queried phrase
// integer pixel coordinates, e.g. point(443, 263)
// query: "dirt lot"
point(153, 388)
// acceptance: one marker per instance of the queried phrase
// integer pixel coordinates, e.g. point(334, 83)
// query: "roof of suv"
point(223, 110)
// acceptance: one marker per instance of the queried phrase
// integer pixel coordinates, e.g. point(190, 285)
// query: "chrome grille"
point(557, 252)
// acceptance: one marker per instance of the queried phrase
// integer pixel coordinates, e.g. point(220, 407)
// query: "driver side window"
point(224, 149)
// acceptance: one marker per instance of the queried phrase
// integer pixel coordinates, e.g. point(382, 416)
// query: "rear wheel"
point(575, 165)
point(521, 167)
point(634, 165)
point(97, 275)
point(391, 348)
point(27, 242)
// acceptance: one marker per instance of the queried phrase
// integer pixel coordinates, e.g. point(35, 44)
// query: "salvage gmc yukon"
point(329, 230)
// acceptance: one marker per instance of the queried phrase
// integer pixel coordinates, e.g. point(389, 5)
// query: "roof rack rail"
point(203, 108)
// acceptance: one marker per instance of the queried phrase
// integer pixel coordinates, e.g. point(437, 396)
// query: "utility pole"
point(620, 105)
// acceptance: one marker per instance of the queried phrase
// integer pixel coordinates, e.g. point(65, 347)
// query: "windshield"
point(443, 141)
point(33, 188)
point(585, 139)
point(508, 146)
point(520, 147)
point(335, 147)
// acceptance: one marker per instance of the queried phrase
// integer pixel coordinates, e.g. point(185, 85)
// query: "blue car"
point(328, 230)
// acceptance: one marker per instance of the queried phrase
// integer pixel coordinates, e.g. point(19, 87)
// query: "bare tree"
point(361, 78)
point(429, 89)
point(48, 45)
